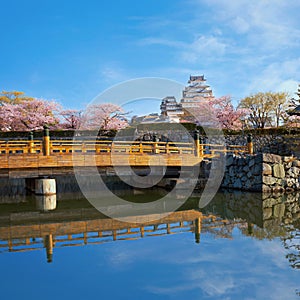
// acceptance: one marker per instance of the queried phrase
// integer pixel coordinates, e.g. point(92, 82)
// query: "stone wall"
point(262, 173)
point(284, 145)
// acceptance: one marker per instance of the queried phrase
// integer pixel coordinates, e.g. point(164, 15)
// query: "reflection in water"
point(49, 225)
point(45, 202)
point(77, 223)
point(267, 215)
point(82, 226)
point(48, 242)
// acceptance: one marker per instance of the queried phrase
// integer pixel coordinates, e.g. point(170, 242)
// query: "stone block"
point(257, 169)
point(278, 171)
point(269, 202)
point(296, 163)
point(289, 182)
point(271, 158)
point(267, 169)
point(269, 180)
point(231, 172)
point(249, 174)
point(246, 169)
point(278, 210)
point(288, 158)
point(229, 160)
point(266, 188)
point(293, 172)
point(253, 161)
point(244, 178)
point(237, 184)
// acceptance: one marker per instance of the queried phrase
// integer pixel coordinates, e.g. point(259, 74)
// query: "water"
point(241, 246)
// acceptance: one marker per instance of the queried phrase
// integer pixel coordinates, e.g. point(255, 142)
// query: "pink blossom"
point(104, 116)
point(28, 115)
point(72, 119)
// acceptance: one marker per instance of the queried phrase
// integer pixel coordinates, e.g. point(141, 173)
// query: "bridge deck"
point(69, 153)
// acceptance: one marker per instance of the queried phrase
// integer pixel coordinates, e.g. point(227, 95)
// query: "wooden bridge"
point(40, 156)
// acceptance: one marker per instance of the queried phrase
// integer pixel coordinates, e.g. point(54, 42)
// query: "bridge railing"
point(19, 147)
point(126, 147)
point(216, 149)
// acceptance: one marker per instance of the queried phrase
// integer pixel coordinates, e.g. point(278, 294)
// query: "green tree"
point(263, 107)
point(13, 97)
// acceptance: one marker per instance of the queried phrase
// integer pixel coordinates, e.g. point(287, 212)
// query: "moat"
point(241, 245)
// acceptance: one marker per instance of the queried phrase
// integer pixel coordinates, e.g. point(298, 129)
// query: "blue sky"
point(71, 51)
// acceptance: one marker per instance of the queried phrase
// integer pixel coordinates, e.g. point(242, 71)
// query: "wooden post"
point(49, 247)
point(141, 148)
point(197, 230)
point(155, 144)
point(83, 148)
point(46, 141)
point(167, 147)
point(30, 143)
point(114, 235)
point(142, 230)
point(201, 147)
point(168, 228)
point(197, 143)
point(250, 144)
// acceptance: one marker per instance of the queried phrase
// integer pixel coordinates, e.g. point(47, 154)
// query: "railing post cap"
point(249, 138)
point(46, 130)
point(196, 134)
point(30, 136)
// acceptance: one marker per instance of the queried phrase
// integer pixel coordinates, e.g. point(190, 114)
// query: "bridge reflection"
point(76, 223)
point(37, 229)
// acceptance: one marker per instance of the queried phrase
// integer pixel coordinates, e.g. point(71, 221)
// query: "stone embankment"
point(262, 173)
point(284, 145)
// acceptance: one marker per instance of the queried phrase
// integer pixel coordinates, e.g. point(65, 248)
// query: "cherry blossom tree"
point(28, 115)
point(203, 114)
point(218, 113)
point(228, 116)
point(72, 119)
point(104, 116)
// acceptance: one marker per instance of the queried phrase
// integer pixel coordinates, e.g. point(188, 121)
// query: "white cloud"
point(198, 49)
point(203, 48)
point(161, 41)
point(277, 76)
point(112, 73)
point(266, 24)
point(274, 251)
point(241, 46)
point(240, 25)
